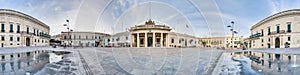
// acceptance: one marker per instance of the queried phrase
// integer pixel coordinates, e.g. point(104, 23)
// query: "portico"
point(149, 35)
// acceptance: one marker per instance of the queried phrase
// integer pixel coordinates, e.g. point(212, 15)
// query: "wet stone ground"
point(143, 61)
point(64, 67)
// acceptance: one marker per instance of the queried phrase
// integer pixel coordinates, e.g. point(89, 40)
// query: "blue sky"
point(202, 18)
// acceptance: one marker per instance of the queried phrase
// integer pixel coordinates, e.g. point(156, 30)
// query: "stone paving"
point(148, 61)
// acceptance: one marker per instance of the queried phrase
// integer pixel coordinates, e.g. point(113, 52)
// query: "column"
point(146, 40)
point(138, 40)
point(153, 39)
point(167, 40)
point(161, 40)
point(132, 40)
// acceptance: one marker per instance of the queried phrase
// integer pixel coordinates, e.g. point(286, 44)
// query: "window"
point(11, 28)
point(2, 27)
point(269, 31)
point(37, 32)
point(2, 38)
point(27, 30)
point(172, 40)
point(289, 38)
point(33, 31)
point(262, 32)
point(11, 38)
point(278, 29)
point(74, 37)
point(65, 37)
point(125, 38)
point(11, 43)
point(262, 40)
point(269, 40)
point(79, 36)
point(18, 38)
point(86, 37)
point(289, 27)
point(18, 29)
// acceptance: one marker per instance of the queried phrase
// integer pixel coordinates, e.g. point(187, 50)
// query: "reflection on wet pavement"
point(271, 64)
point(20, 63)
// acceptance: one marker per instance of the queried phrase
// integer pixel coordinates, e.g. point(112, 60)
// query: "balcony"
point(257, 35)
point(277, 32)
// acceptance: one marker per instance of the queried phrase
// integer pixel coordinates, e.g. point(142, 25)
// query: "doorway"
point(150, 41)
point(27, 41)
point(277, 43)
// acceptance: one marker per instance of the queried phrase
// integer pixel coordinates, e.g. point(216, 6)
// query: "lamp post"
point(232, 33)
point(68, 28)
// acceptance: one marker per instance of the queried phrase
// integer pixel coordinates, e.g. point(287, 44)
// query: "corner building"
point(281, 30)
point(19, 29)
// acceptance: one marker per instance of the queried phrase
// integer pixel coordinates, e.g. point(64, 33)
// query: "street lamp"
point(68, 28)
point(232, 33)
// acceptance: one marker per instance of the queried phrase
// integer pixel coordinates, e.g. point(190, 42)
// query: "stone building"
point(151, 35)
point(277, 31)
point(85, 39)
point(19, 29)
point(221, 42)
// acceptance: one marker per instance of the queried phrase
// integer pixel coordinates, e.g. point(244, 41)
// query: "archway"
point(27, 41)
point(277, 43)
point(149, 41)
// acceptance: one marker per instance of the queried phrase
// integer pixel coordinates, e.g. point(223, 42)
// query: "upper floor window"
point(262, 32)
point(278, 29)
point(18, 29)
point(27, 30)
point(289, 27)
point(33, 31)
point(37, 32)
point(11, 28)
point(269, 30)
point(79, 37)
point(289, 38)
point(2, 27)
point(86, 37)
point(74, 37)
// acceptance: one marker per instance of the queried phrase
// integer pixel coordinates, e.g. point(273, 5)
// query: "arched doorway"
point(277, 42)
point(27, 41)
point(149, 41)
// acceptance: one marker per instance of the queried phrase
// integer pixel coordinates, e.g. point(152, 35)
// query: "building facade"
point(151, 35)
point(19, 29)
point(226, 42)
point(277, 31)
point(83, 39)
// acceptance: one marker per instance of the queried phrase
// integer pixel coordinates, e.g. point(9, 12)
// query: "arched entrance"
point(277, 42)
point(149, 41)
point(27, 41)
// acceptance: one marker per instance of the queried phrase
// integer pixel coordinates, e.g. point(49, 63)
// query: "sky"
point(201, 18)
